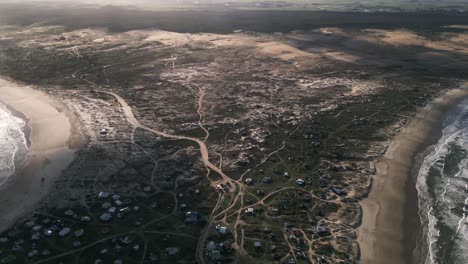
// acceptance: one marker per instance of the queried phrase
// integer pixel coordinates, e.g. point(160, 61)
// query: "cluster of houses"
point(38, 230)
point(58, 229)
point(114, 206)
point(300, 182)
point(215, 250)
point(294, 235)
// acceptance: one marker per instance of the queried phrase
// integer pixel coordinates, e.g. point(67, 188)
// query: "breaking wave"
point(13, 144)
point(442, 184)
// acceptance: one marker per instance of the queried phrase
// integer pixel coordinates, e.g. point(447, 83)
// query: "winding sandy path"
point(204, 155)
point(203, 149)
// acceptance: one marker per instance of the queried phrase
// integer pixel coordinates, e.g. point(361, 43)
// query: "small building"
point(69, 212)
point(126, 240)
point(267, 180)
point(65, 231)
point(85, 218)
point(321, 230)
point(322, 260)
point(211, 246)
point(136, 247)
point(274, 211)
point(76, 243)
point(103, 131)
point(172, 251)
point(338, 191)
point(249, 181)
point(222, 229)
point(112, 210)
point(48, 232)
point(103, 195)
point(79, 232)
point(105, 217)
point(214, 255)
point(192, 217)
point(33, 253)
point(250, 211)
point(300, 182)
point(257, 244)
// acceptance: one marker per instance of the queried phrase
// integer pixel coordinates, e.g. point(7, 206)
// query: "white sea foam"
point(442, 193)
point(13, 144)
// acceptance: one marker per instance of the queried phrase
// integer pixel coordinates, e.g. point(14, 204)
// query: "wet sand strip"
point(390, 222)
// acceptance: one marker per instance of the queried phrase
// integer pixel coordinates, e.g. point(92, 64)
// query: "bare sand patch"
point(455, 42)
point(458, 26)
point(263, 43)
point(399, 37)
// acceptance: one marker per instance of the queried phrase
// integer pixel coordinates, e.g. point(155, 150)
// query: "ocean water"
point(442, 184)
point(13, 144)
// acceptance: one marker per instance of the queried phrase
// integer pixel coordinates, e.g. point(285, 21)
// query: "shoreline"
point(26, 129)
point(53, 135)
point(390, 221)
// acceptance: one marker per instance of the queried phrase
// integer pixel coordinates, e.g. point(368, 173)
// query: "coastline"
point(26, 129)
point(390, 220)
point(54, 135)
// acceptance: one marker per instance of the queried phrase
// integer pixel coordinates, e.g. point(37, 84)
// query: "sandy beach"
point(54, 135)
point(390, 214)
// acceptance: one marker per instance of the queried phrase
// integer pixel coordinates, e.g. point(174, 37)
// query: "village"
point(282, 216)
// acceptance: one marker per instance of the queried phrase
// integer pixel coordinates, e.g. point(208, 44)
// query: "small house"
point(192, 217)
point(267, 180)
point(105, 217)
point(103, 195)
point(250, 211)
point(172, 251)
point(65, 231)
point(300, 182)
point(249, 181)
